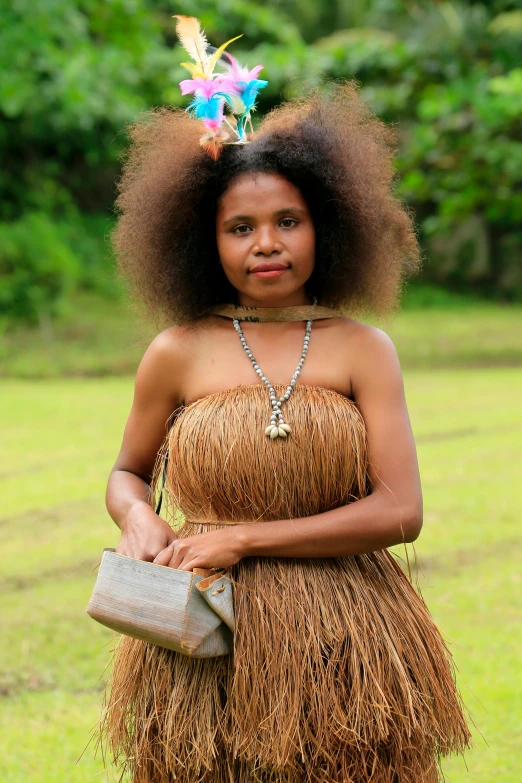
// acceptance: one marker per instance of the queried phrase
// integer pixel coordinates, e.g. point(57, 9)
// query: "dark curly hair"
point(328, 144)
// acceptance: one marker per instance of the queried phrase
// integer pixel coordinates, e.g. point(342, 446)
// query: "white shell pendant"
point(278, 431)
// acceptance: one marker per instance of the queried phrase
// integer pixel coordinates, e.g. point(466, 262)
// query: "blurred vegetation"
point(73, 73)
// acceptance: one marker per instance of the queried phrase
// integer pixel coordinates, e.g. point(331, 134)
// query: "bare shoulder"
point(173, 351)
point(362, 339)
point(165, 349)
point(179, 343)
point(369, 355)
point(164, 362)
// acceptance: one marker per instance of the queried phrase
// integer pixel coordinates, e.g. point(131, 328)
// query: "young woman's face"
point(266, 240)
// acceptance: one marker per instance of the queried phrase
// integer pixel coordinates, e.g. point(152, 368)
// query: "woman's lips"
point(269, 269)
point(269, 273)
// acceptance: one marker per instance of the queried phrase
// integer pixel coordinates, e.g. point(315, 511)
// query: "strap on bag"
point(164, 474)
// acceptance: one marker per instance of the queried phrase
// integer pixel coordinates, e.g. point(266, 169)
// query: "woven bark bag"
point(190, 612)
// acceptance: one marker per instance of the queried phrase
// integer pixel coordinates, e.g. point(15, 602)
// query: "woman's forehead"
point(259, 188)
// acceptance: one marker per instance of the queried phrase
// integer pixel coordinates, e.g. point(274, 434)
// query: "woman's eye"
point(239, 229)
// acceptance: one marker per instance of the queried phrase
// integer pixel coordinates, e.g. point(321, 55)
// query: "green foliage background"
point(74, 72)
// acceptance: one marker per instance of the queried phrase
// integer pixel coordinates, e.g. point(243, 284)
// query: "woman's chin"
point(273, 296)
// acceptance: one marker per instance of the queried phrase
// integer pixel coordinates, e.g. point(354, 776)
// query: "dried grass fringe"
point(339, 674)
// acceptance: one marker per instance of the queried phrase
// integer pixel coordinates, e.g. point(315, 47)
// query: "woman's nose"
point(267, 241)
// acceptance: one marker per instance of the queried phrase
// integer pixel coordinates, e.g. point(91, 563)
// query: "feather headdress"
point(236, 89)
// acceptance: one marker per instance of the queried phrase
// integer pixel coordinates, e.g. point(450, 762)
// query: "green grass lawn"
point(60, 440)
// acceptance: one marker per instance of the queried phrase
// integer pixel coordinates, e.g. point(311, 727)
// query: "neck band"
point(292, 313)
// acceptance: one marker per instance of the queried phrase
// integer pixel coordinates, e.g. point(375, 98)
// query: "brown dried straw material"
point(339, 674)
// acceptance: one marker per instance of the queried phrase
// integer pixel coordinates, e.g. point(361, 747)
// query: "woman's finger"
point(163, 557)
point(190, 565)
point(176, 558)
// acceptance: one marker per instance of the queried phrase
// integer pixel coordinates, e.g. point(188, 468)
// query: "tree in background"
point(74, 72)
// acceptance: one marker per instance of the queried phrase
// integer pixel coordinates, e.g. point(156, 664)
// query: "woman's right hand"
point(143, 533)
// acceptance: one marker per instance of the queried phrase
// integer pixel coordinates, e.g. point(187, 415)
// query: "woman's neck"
point(295, 299)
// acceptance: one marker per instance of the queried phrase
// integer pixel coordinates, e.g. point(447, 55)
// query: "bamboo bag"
point(191, 612)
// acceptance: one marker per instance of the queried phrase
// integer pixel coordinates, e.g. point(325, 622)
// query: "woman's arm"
point(390, 515)
point(144, 533)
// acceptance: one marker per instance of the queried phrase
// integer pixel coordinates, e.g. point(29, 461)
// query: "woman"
point(338, 673)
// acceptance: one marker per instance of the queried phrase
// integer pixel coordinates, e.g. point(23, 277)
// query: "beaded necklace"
point(278, 428)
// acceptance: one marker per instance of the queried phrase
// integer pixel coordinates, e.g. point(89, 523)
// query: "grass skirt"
point(338, 675)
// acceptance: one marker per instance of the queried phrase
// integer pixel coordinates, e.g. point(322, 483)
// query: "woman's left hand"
point(215, 549)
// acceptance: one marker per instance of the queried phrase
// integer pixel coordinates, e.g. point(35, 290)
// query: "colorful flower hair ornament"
point(237, 89)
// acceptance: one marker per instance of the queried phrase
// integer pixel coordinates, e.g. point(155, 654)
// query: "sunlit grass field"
point(100, 337)
point(60, 438)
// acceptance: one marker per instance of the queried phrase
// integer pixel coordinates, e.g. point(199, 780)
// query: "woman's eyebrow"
point(295, 210)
